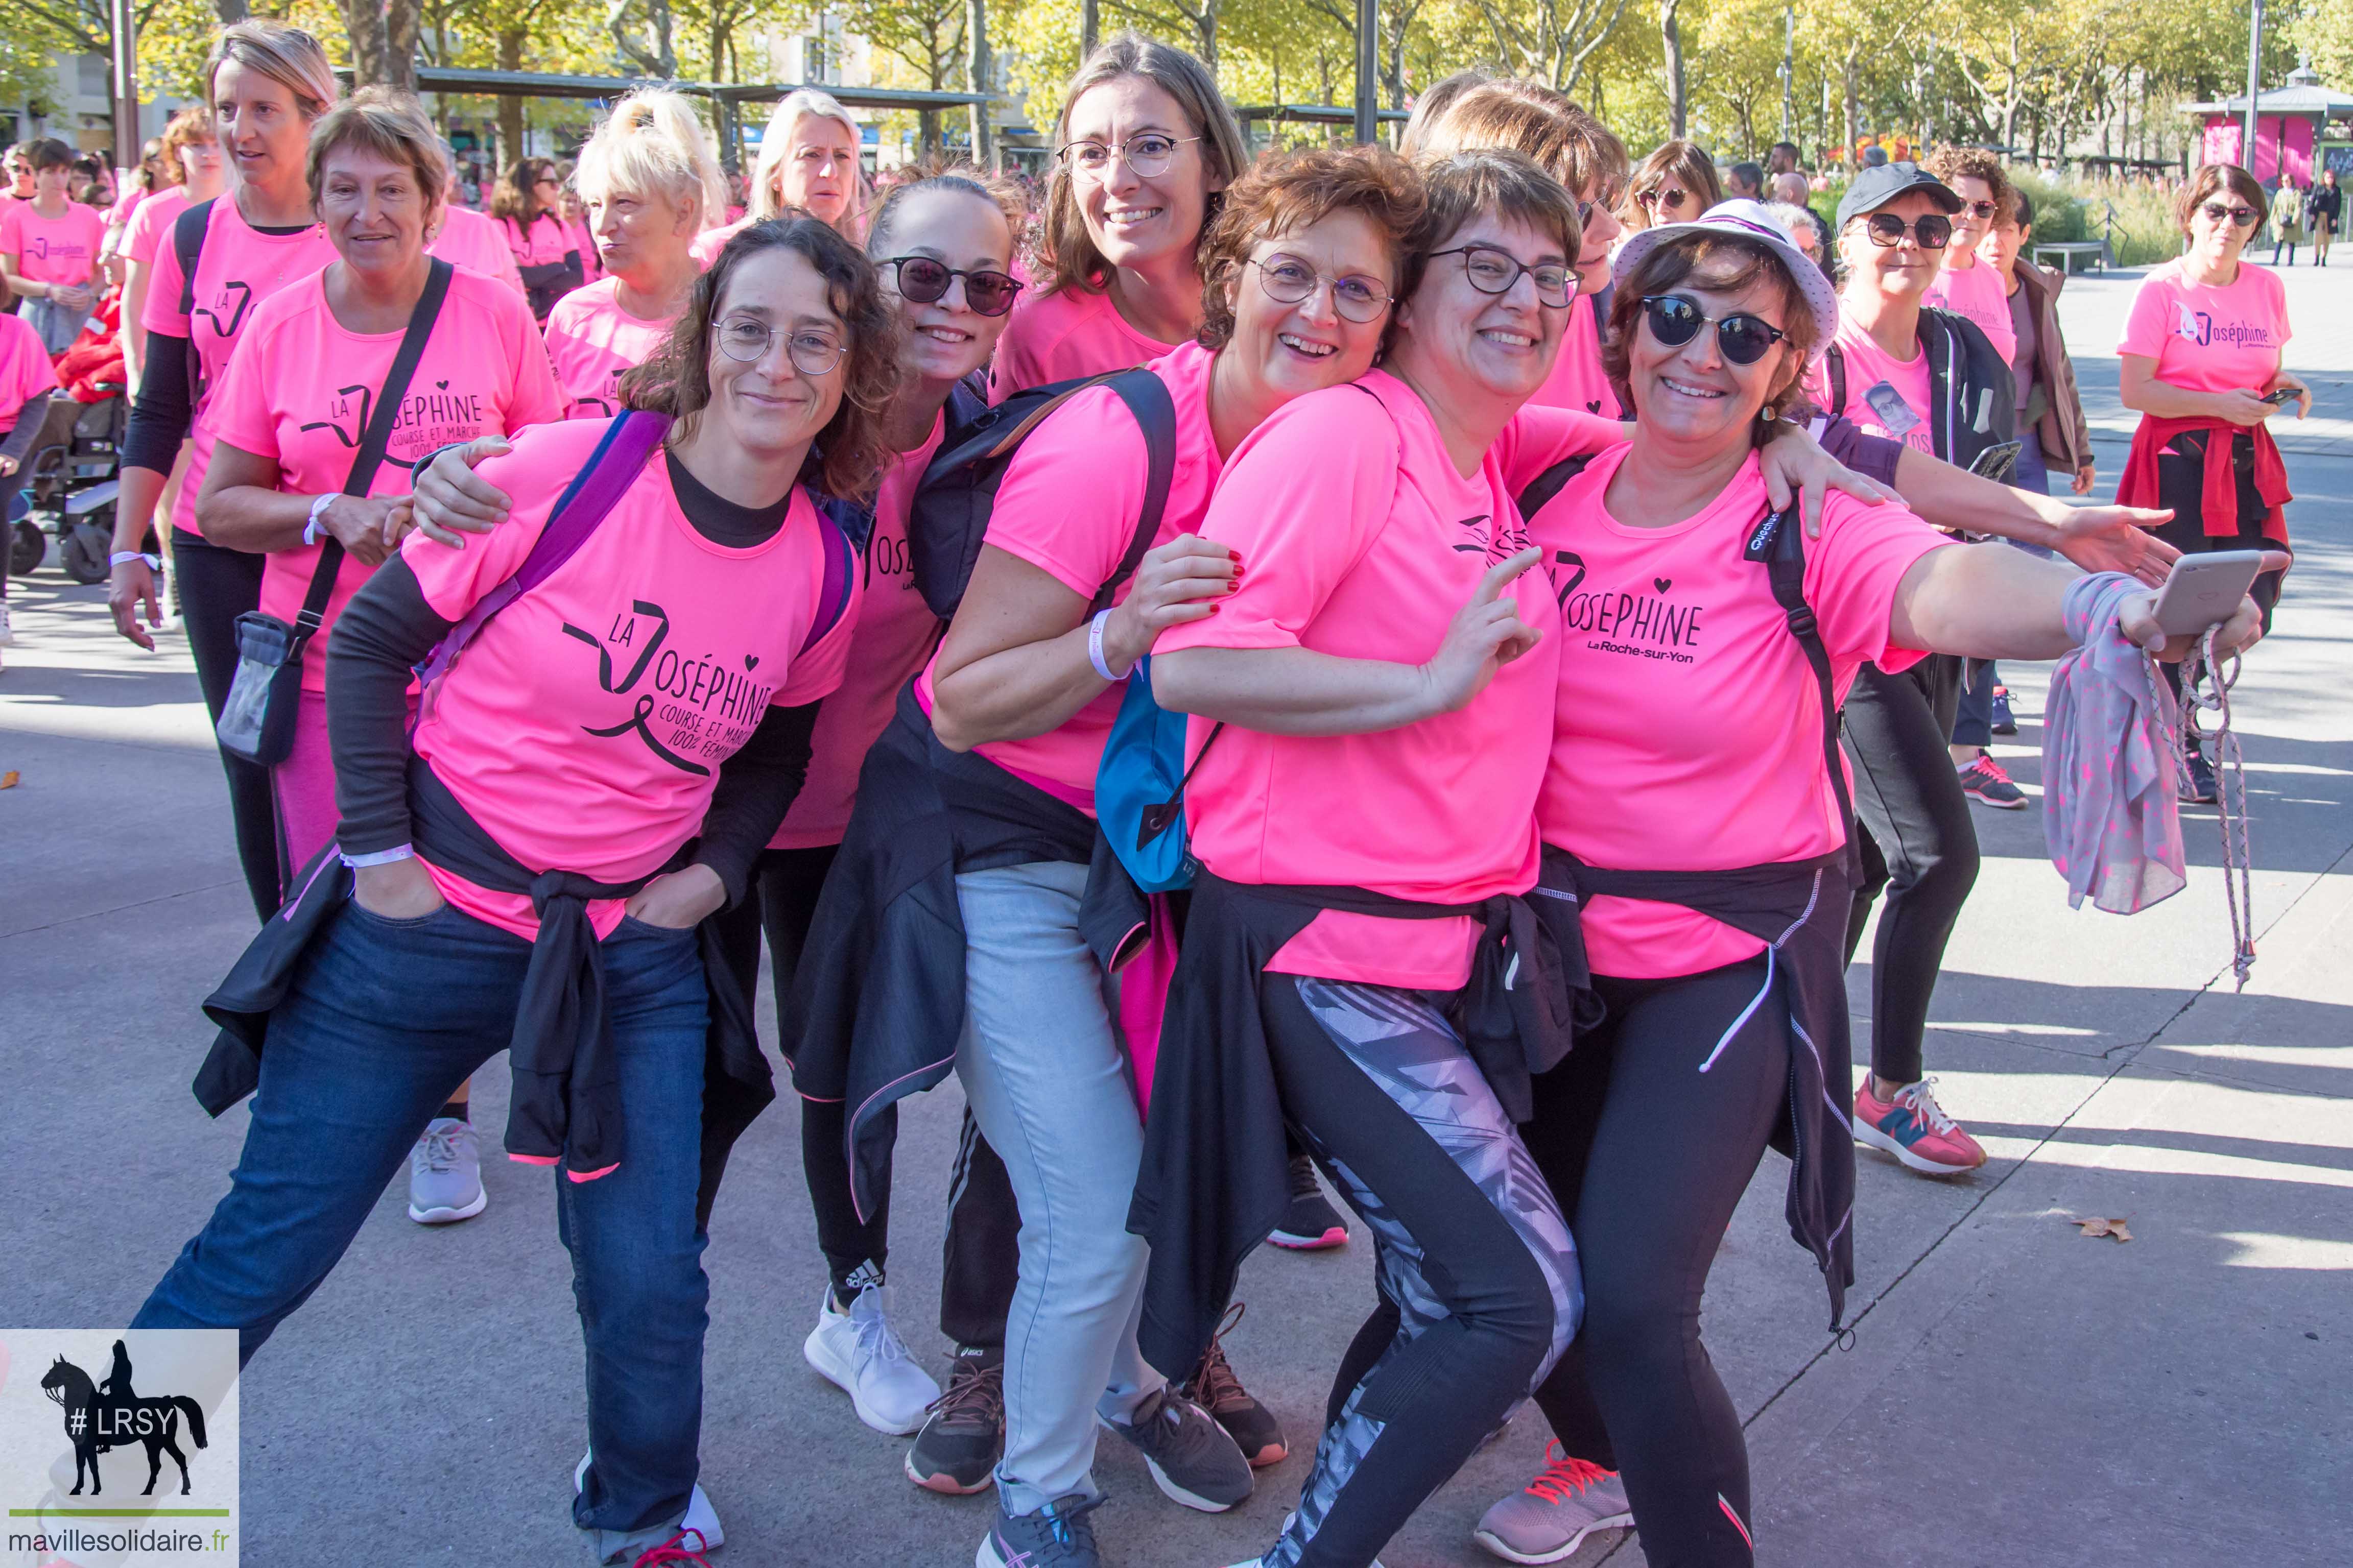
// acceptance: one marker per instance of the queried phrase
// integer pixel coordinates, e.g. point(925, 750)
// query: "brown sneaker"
point(1215, 1388)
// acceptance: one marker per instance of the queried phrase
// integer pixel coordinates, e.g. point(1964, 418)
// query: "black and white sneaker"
point(1192, 1459)
point(961, 1441)
point(1984, 780)
point(2196, 785)
point(1310, 1223)
point(1059, 1535)
point(2005, 722)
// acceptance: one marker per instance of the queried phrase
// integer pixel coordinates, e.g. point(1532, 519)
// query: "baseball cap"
point(1874, 188)
point(1746, 220)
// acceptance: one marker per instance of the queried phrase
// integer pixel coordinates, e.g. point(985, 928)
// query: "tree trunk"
point(981, 77)
point(1846, 86)
point(383, 42)
point(1670, 42)
point(1206, 28)
point(511, 127)
point(230, 11)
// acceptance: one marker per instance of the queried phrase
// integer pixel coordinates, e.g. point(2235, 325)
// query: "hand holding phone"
point(2284, 397)
point(2202, 591)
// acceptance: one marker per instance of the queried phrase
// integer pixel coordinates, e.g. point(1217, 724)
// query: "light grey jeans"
point(1047, 1077)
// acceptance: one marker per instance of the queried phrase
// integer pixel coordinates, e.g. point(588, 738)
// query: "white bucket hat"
point(1745, 220)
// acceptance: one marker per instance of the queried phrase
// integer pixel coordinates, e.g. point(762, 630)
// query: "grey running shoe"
point(959, 1445)
point(1192, 1459)
point(1560, 1508)
point(1057, 1536)
point(445, 1173)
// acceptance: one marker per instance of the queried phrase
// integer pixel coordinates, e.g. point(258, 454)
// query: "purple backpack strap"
point(606, 475)
point(840, 577)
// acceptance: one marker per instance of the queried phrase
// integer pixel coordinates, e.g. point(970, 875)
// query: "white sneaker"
point(859, 1351)
point(7, 634)
point(700, 1515)
point(445, 1173)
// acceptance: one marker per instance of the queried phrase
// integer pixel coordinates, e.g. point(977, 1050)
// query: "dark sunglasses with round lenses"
point(1981, 210)
point(1495, 271)
point(2216, 212)
point(1290, 282)
point(925, 282)
point(1665, 198)
point(1932, 231)
point(1676, 319)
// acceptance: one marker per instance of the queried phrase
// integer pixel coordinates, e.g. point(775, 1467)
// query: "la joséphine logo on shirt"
point(231, 302)
point(2200, 328)
point(690, 710)
point(1480, 538)
point(1641, 620)
point(429, 418)
point(42, 245)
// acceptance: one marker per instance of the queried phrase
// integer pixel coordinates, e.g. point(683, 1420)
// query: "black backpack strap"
point(1550, 483)
point(1146, 396)
point(1834, 361)
point(1779, 542)
point(376, 437)
point(188, 231)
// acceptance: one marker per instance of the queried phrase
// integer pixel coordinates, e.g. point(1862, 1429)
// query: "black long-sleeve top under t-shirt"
point(387, 628)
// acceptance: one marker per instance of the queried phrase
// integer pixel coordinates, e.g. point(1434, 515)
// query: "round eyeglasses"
point(1676, 319)
point(925, 282)
point(1147, 154)
point(745, 339)
point(1492, 271)
point(1290, 282)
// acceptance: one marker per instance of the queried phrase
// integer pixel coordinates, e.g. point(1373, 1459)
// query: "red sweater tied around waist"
point(2219, 500)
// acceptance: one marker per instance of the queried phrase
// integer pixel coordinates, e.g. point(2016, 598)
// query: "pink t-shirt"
point(1059, 336)
point(896, 631)
point(1884, 396)
point(591, 265)
point(586, 725)
point(1068, 506)
point(546, 241)
point(302, 386)
point(592, 340)
point(24, 369)
point(1687, 735)
point(2210, 338)
point(707, 244)
point(470, 240)
point(1977, 293)
point(237, 270)
point(151, 225)
point(53, 250)
point(127, 203)
point(1577, 380)
point(1361, 540)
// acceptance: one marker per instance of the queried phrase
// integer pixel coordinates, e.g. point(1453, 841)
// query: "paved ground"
point(2013, 1393)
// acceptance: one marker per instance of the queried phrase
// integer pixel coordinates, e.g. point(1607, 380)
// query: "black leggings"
point(1648, 1151)
point(1478, 1276)
point(1918, 842)
point(216, 586)
point(983, 1257)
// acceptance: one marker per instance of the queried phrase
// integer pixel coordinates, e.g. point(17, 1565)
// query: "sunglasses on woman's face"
point(2216, 212)
point(1980, 210)
point(1665, 199)
point(1932, 231)
point(1676, 319)
point(925, 282)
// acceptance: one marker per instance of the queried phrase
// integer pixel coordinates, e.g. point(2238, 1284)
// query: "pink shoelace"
point(675, 1553)
point(1564, 1477)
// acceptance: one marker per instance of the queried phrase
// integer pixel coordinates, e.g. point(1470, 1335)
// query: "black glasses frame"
point(1003, 287)
point(1732, 333)
point(1568, 274)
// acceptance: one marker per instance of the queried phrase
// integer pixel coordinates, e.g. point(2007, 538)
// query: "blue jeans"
point(385, 1019)
point(1045, 1071)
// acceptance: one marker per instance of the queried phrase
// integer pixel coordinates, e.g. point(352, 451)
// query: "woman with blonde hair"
point(1143, 147)
point(265, 82)
point(809, 162)
point(190, 169)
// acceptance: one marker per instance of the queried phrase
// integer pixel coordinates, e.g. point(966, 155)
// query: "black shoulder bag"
point(256, 722)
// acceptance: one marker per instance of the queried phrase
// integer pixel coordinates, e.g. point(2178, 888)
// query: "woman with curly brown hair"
point(591, 782)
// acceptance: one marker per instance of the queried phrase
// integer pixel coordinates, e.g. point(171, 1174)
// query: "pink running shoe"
point(1551, 1518)
point(1915, 1128)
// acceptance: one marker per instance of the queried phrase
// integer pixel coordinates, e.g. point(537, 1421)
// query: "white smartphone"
point(2202, 591)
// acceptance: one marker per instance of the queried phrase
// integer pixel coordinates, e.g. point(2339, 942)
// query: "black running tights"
point(1649, 1145)
point(1918, 842)
point(217, 585)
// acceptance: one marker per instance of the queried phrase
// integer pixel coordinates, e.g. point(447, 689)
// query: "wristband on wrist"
point(318, 509)
point(125, 557)
point(380, 856)
point(1095, 646)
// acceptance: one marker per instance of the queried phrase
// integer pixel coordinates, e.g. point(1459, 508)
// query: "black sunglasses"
point(1676, 319)
point(1932, 231)
point(925, 282)
point(2216, 212)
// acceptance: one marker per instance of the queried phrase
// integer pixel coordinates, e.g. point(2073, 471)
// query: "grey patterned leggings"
point(1470, 1248)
